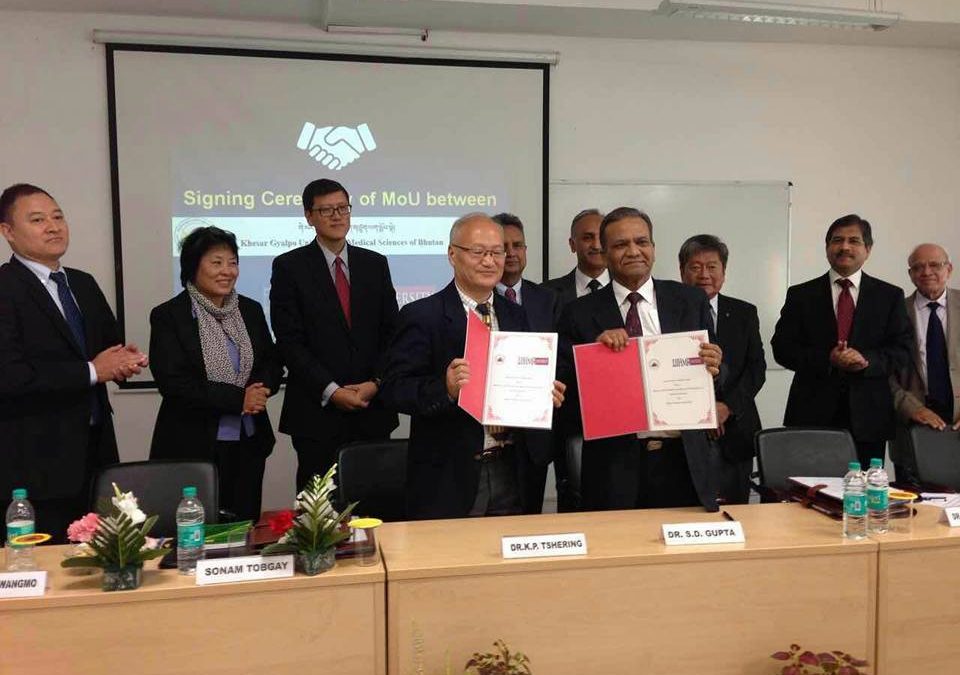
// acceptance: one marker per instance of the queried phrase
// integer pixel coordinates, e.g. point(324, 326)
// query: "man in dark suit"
point(590, 274)
point(649, 470)
point(843, 334)
point(703, 263)
point(927, 391)
point(333, 309)
point(457, 467)
point(543, 310)
point(59, 344)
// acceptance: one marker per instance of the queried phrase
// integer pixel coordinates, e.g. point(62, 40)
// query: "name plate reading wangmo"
point(952, 515)
point(23, 584)
point(244, 568)
point(680, 534)
point(544, 545)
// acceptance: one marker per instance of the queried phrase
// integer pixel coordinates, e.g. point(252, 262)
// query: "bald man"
point(927, 392)
point(457, 467)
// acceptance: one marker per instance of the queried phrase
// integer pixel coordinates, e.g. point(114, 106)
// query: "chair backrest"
point(938, 456)
point(802, 451)
point(374, 473)
point(158, 486)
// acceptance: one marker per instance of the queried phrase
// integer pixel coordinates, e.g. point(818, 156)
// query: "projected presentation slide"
point(231, 140)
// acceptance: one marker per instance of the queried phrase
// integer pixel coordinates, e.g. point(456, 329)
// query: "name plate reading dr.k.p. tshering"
point(703, 533)
point(244, 568)
point(544, 545)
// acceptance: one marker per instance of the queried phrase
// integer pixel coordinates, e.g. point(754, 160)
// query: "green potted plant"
point(312, 531)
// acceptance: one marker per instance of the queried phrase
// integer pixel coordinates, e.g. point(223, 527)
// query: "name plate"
point(952, 516)
point(23, 584)
point(544, 545)
point(681, 534)
point(244, 568)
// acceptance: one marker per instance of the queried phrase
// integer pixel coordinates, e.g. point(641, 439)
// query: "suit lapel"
point(725, 319)
point(668, 309)
point(861, 313)
point(953, 335)
point(456, 317)
point(826, 316)
point(915, 348)
point(189, 329)
point(43, 300)
point(606, 314)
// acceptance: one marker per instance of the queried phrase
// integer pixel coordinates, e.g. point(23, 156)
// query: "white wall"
point(856, 129)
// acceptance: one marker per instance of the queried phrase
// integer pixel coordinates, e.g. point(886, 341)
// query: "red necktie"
point(343, 288)
point(632, 324)
point(510, 295)
point(844, 310)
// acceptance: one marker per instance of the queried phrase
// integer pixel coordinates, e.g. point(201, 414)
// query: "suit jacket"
point(442, 475)
point(680, 308)
point(806, 333)
point(186, 426)
point(317, 345)
point(565, 287)
point(908, 384)
point(738, 334)
point(45, 400)
point(541, 306)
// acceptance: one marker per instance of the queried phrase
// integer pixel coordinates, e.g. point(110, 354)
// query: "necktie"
point(510, 295)
point(844, 310)
point(483, 309)
point(713, 319)
point(594, 285)
point(939, 388)
point(343, 288)
point(71, 312)
point(632, 324)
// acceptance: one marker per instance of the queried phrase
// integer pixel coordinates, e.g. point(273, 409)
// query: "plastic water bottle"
point(190, 531)
point(854, 503)
point(20, 520)
point(878, 504)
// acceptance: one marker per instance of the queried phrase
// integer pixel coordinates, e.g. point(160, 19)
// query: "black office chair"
point(574, 452)
point(937, 455)
point(800, 451)
point(158, 487)
point(374, 474)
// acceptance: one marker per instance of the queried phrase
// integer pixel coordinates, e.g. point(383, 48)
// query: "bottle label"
point(877, 498)
point(190, 536)
point(855, 505)
point(16, 529)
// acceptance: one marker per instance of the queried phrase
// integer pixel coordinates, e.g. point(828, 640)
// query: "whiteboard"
point(753, 219)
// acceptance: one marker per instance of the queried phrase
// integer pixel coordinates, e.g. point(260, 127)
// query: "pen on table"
point(728, 516)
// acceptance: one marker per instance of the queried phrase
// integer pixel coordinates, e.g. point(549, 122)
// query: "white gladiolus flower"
point(127, 504)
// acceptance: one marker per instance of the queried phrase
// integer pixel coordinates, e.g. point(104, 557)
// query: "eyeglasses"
point(917, 268)
point(327, 211)
point(479, 253)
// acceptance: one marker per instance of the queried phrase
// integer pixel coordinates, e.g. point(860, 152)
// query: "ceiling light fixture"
point(778, 14)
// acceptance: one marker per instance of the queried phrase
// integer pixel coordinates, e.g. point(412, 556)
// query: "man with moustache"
point(590, 274)
point(457, 467)
point(844, 334)
point(703, 263)
point(59, 345)
point(647, 470)
point(542, 310)
point(333, 309)
point(927, 391)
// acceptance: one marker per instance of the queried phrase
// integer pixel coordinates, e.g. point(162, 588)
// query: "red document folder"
point(475, 352)
point(610, 384)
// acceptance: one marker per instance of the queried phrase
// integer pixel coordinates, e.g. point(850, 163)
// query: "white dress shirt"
point(582, 281)
point(923, 318)
point(647, 307)
point(835, 287)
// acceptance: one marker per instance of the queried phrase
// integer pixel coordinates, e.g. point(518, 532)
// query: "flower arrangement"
point(499, 662)
point(313, 530)
point(809, 663)
point(113, 541)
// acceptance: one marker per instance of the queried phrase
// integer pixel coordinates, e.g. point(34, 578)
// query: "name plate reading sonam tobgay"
point(544, 545)
point(244, 568)
point(679, 534)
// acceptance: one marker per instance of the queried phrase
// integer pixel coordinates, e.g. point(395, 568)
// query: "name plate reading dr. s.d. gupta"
point(680, 534)
point(244, 568)
point(544, 545)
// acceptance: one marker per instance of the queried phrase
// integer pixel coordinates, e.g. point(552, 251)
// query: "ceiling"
point(924, 23)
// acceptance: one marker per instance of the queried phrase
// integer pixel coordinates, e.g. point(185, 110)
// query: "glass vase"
point(126, 578)
point(315, 562)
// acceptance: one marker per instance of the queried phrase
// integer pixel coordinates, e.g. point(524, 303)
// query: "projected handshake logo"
point(336, 147)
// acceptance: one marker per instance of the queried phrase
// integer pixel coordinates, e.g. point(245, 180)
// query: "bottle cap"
point(190, 491)
point(854, 466)
point(20, 493)
point(876, 463)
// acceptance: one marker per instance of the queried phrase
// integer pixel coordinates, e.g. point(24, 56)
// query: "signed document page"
point(519, 381)
point(679, 388)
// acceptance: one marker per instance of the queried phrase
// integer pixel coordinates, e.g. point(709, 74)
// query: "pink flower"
point(81, 531)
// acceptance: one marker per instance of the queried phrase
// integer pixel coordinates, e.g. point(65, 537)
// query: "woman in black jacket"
point(215, 364)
